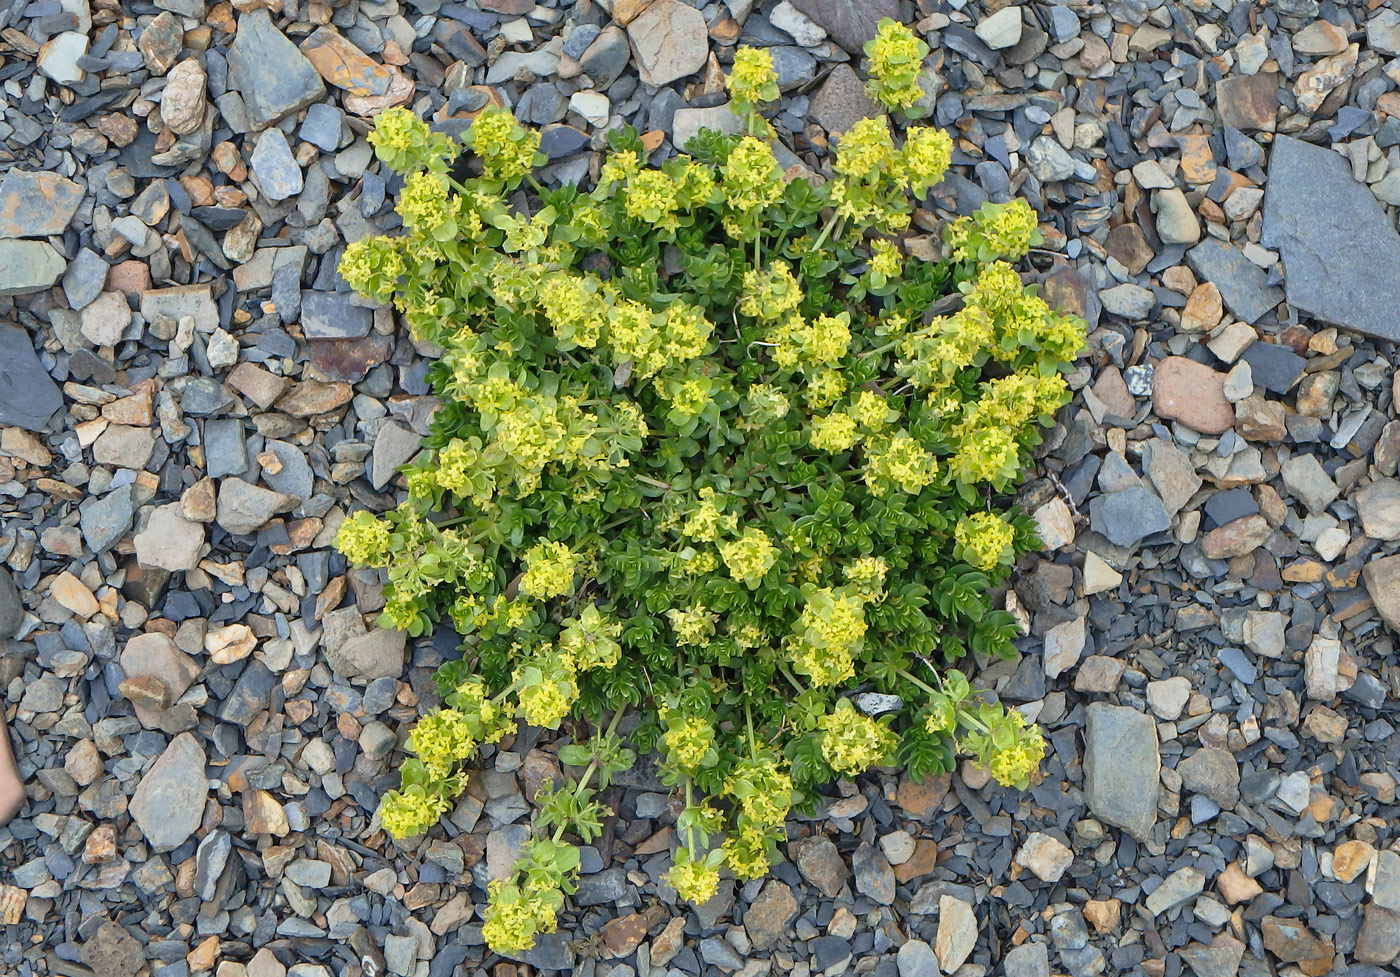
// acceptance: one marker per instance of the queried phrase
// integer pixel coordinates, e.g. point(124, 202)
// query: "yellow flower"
point(747, 854)
point(688, 743)
point(834, 432)
point(925, 157)
point(885, 259)
point(984, 539)
point(410, 812)
point(549, 570)
point(899, 462)
point(507, 150)
point(364, 539)
point(830, 631)
point(895, 58)
point(853, 742)
point(515, 916)
point(868, 575)
point(752, 79)
point(424, 202)
point(441, 740)
point(692, 625)
point(694, 881)
point(749, 557)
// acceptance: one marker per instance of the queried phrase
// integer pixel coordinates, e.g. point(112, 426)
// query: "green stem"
point(919, 682)
point(795, 684)
point(821, 239)
point(689, 802)
point(748, 719)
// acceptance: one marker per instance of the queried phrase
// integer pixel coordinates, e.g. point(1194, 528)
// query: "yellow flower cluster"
point(373, 266)
point(549, 570)
point(693, 879)
point(364, 538)
point(516, 915)
point(1009, 747)
point(693, 625)
point(442, 740)
point(546, 688)
point(830, 631)
point(652, 341)
point(986, 455)
point(404, 143)
point(867, 574)
point(424, 203)
point(925, 157)
point(834, 432)
point(747, 852)
point(651, 196)
point(707, 519)
point(1006, 231)
point(853, 742)
point(749, 557)
point(590, 640)
point(770, 294)
point(898, 461)
point(761, 789)
point(411, 811)
point(984, 539)
point(689, 742)
point(895, 58)
point(752, 79)
point(752, 181)
point(506, 149)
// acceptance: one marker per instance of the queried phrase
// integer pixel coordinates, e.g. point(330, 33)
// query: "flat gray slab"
point(1341, 256)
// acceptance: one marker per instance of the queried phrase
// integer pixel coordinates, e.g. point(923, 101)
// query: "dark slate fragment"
point(1276, 368)
point(1243, 285)
point(1128, 516)
point(334, 315)
point(28, 396)
point(849, 22)
point(1231, 504)
point(1341, 255)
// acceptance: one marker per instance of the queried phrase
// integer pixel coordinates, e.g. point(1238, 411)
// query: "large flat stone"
point(1122, 767)
point(1341, 255)
point(274, 78)
point(28, 396)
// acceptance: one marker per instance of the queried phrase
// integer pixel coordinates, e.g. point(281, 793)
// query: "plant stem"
point(821, 239)
point(919, 682)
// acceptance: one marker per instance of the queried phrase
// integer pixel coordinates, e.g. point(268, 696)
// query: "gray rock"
point(28, 396)
point(1340, 251)
point(1001, 29)
point(11, 606)
point(169, 802)
point(1028, 959)
point(334, 315)
point(1379, 507)
point(225, 447)
point(1308, 481)
point(1243, 285)
point(1128, 516)
point(1274, 367)
point(210, 860)
point(1214, 772)
point(768, 915)
point(376, 654)
point(1383, 32)
point(28, 266)
point(874, 877)
point(916, 959)
point(105, 520)
point(37, 204)
point(841, 101)
point(849, 24)
point(1049, 161)
point(274, 78)
point(820, 863)
point(244, 508)
point(295, 477)
point(170, 541)
point(84, 279)
point(1121, 767)
point(322, 127)
point(393, 446)
point(309, 872)
point(1127, 300)
point(1181, 886)
point(274, 168)
point(250, 695)
point(688, 122)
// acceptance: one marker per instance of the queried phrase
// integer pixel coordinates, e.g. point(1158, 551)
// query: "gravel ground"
point(191, 401)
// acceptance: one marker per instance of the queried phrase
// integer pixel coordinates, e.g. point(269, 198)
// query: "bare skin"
point(11, 787)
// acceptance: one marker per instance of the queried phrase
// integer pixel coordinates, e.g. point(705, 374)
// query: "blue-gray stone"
point(105, 520)
point(334, 315)
point(225, 448)
point(1238, 663)
point(274, 78)
point(83, 280)
point(1341, 255)
point(1127, 516)
point(322, 127)
point(28, 396)
point(1275, 368)
point(1243, 285)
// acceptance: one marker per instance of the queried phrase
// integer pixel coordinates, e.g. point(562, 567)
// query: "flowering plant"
point(719, 446)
